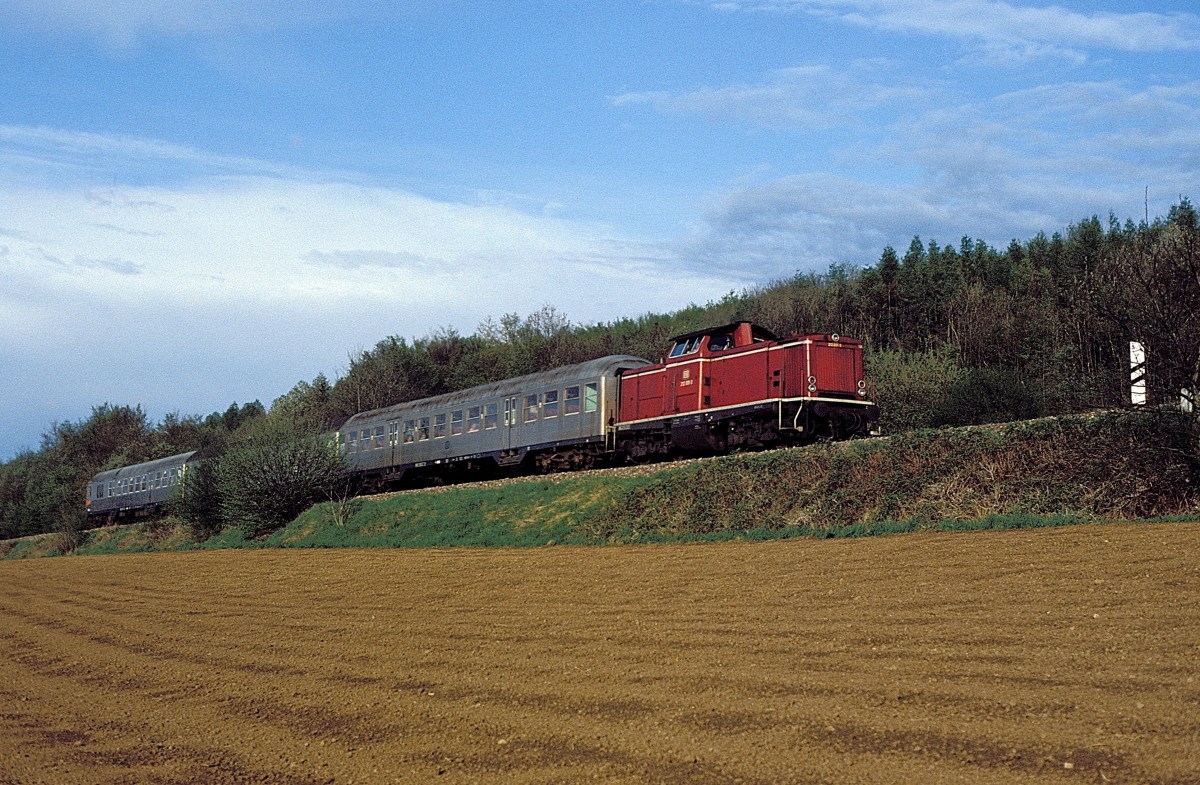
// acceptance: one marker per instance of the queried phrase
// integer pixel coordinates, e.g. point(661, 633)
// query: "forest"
point(954, 335)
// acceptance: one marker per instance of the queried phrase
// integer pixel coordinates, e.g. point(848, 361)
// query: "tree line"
point(955, 334)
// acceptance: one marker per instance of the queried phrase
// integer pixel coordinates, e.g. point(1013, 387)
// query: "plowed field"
point(1067, 655)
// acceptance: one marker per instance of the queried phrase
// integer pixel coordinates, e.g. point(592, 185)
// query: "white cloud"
point(230, 286)
point(123, 23)
point(813, 97)
point(995, 168)
point(1003, 28)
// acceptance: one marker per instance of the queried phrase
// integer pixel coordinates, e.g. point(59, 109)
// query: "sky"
point(209, 201)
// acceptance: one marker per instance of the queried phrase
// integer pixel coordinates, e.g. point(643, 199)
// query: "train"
point(717, 390)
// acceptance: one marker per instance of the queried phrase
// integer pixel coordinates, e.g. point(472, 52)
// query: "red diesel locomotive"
point(738, 387)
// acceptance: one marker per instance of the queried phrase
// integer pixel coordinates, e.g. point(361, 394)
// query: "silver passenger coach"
point(555, 419)
point(141, 488)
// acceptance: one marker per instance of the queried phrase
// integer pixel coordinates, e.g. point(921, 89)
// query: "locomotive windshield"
point(685, 346)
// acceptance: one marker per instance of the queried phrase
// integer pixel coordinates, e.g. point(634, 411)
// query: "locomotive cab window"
point(720, 342)
point(685, 347)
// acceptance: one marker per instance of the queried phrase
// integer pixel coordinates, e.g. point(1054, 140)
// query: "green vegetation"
point(1046, 472)
point(955, 335)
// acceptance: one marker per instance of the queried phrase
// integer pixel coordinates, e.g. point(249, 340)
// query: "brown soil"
point(1068, 655)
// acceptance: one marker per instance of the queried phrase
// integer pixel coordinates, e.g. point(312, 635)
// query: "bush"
point(265, 483)
point(198, 500)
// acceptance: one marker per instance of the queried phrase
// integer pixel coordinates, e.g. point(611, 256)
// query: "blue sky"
point(203, 202)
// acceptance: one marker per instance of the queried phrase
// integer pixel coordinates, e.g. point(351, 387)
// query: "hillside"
point(1113, 465)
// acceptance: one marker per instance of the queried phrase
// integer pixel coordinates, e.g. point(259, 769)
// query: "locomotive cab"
point(706, 343)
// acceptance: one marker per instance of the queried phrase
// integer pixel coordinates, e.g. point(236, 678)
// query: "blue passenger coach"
point(553, 420)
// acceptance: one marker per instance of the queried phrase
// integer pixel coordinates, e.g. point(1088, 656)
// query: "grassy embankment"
point(1045, 472)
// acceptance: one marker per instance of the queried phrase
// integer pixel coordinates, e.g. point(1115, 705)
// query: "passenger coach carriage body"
point(133, 491)
point(553, 420)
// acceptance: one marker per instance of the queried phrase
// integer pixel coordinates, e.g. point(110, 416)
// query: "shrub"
point(265, 483)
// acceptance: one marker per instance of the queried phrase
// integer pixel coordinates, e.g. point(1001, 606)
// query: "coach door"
point(394, 441)
point(512, 420)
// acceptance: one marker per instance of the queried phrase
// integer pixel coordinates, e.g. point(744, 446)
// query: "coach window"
point(352, 442)
point(456, 423)
point(531, 408)
point(110, 488)
point(439, 426)
point(378, 437)
point(491, 416)
point(410, 431)
point(571, 401)
point(591, 397)
point(550, 404)
point(474, 420)
point(423, 429)
point(364, 440)
point(393, 431)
